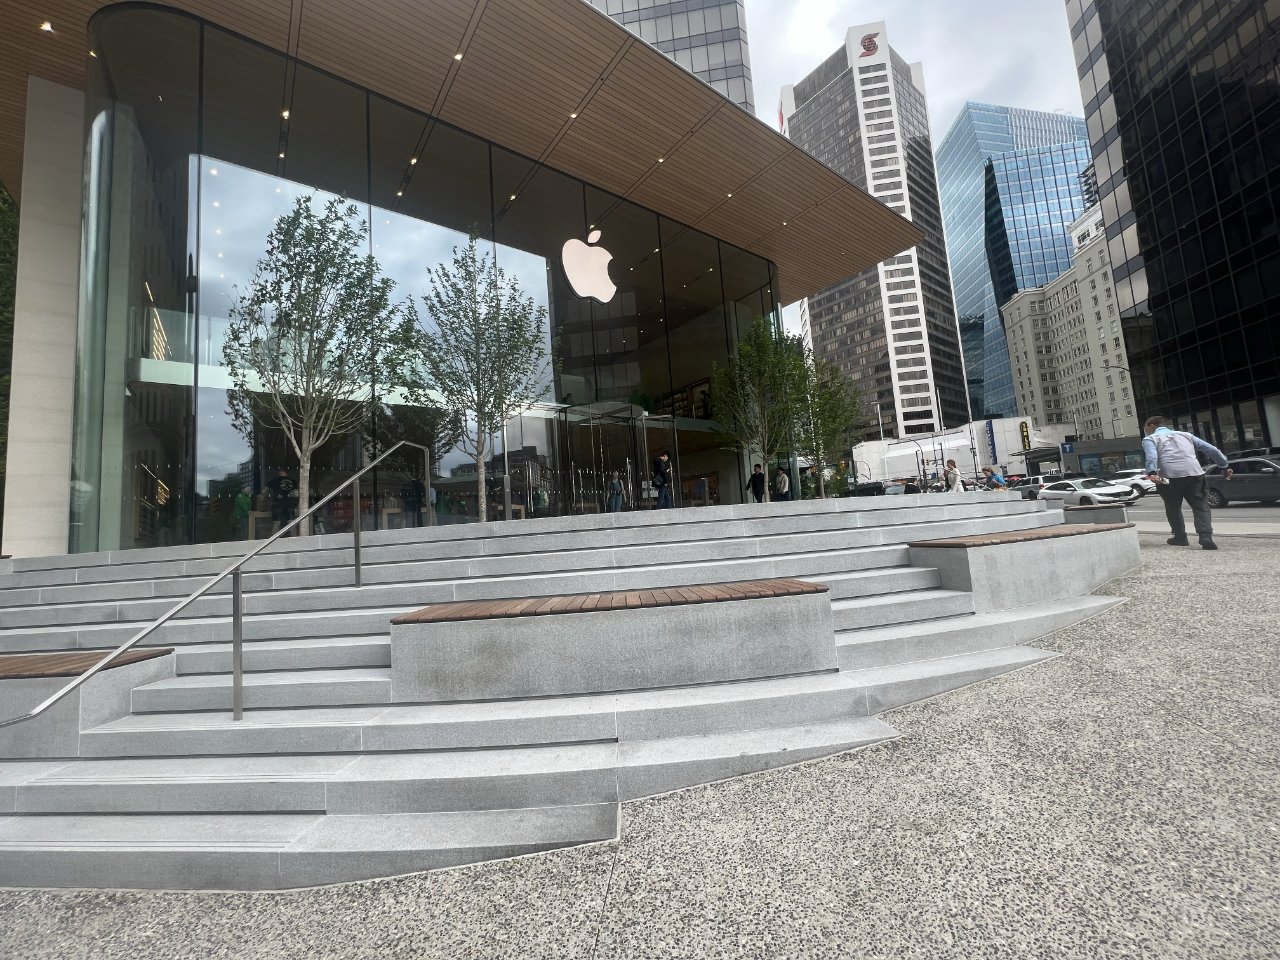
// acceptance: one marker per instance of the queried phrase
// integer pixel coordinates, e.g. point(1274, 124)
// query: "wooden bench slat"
point(610, 600)
point(68, 663)
point(1021, 536)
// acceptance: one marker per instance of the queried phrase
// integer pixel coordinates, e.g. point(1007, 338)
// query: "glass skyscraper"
point(1031, 199)
point(980, 131)
point(706, 37)
point(1182, 102)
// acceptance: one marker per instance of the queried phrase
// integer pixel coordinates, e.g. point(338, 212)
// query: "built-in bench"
point(1019, 567)
point(69, 663)
point(612, 641)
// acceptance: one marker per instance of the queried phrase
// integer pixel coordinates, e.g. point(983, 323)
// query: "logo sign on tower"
point(587, 268)
point(869, 46)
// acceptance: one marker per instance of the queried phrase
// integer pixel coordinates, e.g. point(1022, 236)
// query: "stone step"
point(314, 653)
point(640, 715)
point(273, 689)
point(536, 535)
point(670, 572)
point(849, 586)
point(391, 783)
point(972, 633)
point(657, 766)
point(277, 851)
point(895, 608)
point(904, 683)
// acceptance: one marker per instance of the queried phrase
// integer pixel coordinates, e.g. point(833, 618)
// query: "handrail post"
point(357, 513)
point(426, 476)
point(237, 646)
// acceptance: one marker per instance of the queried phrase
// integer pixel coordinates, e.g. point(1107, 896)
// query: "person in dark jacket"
point(755, 483)
point(662, 479)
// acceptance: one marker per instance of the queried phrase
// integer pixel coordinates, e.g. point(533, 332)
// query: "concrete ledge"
point(1097, 513)
point(56, 733)
point(750, 631)
point(1008, 570)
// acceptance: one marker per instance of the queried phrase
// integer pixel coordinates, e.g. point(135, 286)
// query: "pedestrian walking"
point(951, 477)
point(614, 503)
point(1172, 464)
point(755, 483)
point(782, 485)
point(662, 479)
point(284, 496)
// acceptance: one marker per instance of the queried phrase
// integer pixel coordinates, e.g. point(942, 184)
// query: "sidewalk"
point(1121, 801)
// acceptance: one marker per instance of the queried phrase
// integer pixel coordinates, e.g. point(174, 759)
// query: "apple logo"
point(587, 268)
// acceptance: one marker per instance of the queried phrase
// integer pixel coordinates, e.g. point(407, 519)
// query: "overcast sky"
point(1011, 52)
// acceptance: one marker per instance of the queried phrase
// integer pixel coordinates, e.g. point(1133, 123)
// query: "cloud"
point(1011, 52)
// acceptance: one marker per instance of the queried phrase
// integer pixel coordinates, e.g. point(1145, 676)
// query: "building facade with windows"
point(891, 329)
point(706, 37)
point(152, 150)
point(1067, 348)
point(1182, 104)
point(980, 131)
point(1031, 199)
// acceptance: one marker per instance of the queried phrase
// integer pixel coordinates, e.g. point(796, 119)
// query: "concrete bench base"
point(105, 697)
point(1008, 570)
point(1096, 513)
point(542, 648)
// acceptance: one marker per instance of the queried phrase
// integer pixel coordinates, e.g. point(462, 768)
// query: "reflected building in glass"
point(1182, 104)
point(706, 37)
point(197, 139)
point(891, 329)
point(980, 131)
point(1031, 199)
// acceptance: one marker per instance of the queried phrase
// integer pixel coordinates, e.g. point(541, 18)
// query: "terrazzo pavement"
point(1121, 801)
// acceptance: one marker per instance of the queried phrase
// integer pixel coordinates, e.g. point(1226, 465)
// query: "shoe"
point(1208, 545)
point(1178, 542)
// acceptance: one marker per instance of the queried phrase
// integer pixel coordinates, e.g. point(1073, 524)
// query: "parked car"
point(1031, 486)
point(1136, 479)
point(1255, 478)
point(1088, 490)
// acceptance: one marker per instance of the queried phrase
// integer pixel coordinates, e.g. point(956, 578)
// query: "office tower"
point(1182, 102)
point(707, 38)
point(891, 329)
point(1032, 197)
point(980, 131)
point(1066, 345)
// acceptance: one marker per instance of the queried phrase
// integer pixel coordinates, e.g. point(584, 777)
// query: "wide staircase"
point(325, 779)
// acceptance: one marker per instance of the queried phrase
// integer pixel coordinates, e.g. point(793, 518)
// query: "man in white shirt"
point(1173, 465)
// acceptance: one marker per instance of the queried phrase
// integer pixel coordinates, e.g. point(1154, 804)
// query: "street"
point(1255, 516)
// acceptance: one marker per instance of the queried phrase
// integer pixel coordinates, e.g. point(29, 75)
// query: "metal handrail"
point(234, 571)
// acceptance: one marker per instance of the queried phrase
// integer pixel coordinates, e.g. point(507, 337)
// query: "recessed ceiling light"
point(728, 194)
point(217, 203)
point(282, 157)
point(573, 116)
point(512, 197)
point(160, 98)
point(47, 27)
point(399, 193)
point(412, 161)
point(660, 160)
point(213, 171)
point(93, 53)
point(457, 56)
point(285, 114)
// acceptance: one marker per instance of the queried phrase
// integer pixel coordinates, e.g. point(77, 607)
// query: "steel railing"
point(237, 589)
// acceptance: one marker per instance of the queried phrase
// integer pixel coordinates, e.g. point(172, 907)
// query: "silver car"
point(1252, 478)
point(1089, 490)
point(1136, 479)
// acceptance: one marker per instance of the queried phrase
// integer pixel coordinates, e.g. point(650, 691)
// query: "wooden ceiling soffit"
point(633, 105)
point(392, 47)
point(525, 70)
point(779, 194)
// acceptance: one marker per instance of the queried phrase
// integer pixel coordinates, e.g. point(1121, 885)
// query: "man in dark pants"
point(1172, 464)
point(662, 479)
point(756, 483)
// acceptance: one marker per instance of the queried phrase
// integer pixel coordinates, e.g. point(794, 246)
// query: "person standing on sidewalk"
point(756, 483)
point(662, 480)
point(1172, 464)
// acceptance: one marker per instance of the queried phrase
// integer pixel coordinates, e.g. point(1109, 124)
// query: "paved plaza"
point(1119, 801)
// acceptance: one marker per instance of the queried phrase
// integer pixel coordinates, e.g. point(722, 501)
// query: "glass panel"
point(132, 481)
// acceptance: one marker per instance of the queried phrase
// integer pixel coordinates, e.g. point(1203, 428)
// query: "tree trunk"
point(304, 494)
point(822, 487)
point(482, 499)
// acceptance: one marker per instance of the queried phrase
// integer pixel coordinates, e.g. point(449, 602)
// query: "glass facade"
point(1032, 198)
point(198, 140)
point(706, 37)
point(980, 131)
point(1182, 102)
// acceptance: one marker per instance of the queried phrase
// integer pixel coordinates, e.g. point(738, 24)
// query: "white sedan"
point(1136, 479)
point(1088, 490)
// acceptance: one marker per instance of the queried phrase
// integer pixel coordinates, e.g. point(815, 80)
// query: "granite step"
point(271, 689)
